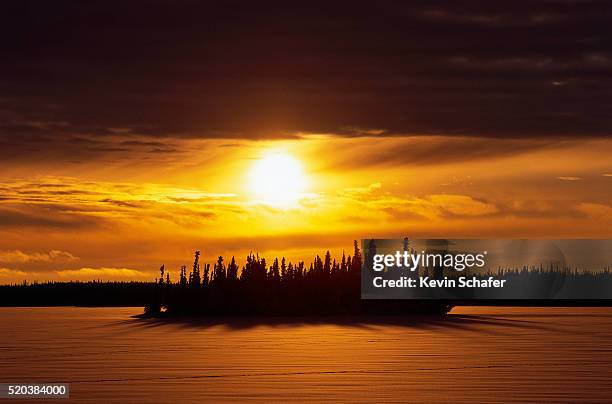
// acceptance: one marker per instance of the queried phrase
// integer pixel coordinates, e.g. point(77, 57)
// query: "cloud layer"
point(91, 74)
point(11, 276)
point(127, 128)
point(18, 256)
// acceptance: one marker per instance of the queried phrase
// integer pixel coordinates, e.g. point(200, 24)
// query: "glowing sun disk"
point(277, 179)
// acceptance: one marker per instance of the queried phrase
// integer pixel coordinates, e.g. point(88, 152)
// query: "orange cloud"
point(51, 256)
point(103, 274)
point(10, 273)
point(462, 205)
point(596, 210)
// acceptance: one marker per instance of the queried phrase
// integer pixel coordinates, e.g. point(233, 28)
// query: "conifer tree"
point(356, 263)
point(219, 270)
point(290, 272)
point(183, 276)
point(232, 270)
point(327, 264)
point(283, 269)
point(274, 273)
point(206, 278)
point(196, 279)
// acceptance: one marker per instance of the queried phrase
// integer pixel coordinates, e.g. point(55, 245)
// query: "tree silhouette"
point(219, 274)
point(326, 286)
point(323, 286)
point(183, 276)
point(195, 274)
point(232, 270)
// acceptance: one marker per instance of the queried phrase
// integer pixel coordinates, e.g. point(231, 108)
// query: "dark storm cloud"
point(440, 150)
point(83, 71)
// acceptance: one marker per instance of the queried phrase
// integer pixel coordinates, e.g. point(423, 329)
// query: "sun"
point(277, 179)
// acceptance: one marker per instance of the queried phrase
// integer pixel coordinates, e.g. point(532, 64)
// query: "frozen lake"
point(476, 354)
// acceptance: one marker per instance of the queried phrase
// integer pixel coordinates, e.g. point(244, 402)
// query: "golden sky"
point(131, 135)
point(120, 215)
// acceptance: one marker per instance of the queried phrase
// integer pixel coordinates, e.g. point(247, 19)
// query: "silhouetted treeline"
point(325, 286)
point(93, 293)
point(560, 283)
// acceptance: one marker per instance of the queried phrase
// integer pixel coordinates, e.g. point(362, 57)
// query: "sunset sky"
point(132, 134)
